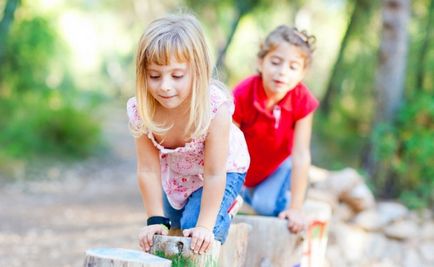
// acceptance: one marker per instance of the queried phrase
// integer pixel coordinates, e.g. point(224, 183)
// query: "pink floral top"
point(182, 168)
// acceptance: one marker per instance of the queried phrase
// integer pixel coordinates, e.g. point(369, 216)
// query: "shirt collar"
point(259, 97)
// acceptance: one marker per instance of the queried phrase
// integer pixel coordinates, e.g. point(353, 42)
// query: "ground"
point(51, 218)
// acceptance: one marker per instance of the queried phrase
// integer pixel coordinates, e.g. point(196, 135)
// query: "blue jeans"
point(271, 196)
point(186, 217)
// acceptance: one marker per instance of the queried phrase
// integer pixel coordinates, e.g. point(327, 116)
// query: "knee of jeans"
point(264, 207)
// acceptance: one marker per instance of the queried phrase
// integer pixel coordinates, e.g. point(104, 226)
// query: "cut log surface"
point(177, 249)
point(119, 257)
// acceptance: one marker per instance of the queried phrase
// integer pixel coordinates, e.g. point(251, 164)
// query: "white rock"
point(427, 251)
point(412, 258)
point(317, 174)
point(359, 197)
point(402, 230)
point(343, 212)
point(370, 220)
point(427, 231)
point(392, 211)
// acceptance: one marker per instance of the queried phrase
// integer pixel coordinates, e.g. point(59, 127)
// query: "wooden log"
point(177, 249)
point(234, 250)
point(119, 257)
point(270, 243)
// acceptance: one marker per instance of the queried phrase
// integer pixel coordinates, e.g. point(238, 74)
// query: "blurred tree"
point(361, 11)
point(5, 24)
point(421, 66)
point(390, 78)
point(237, 9)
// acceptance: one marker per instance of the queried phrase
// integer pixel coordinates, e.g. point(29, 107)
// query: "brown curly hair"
point(291, 35)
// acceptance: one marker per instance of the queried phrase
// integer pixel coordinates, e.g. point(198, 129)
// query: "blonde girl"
point(191, 159)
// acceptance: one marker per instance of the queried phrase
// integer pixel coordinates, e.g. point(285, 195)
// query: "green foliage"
point(29, 49)
point(405, 148)
point(35, 128)
point(41, 114)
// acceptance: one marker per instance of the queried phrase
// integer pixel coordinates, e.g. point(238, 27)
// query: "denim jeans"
point(186, 217)
point(272, 195)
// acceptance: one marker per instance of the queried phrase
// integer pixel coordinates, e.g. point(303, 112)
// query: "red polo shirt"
point(269, 134)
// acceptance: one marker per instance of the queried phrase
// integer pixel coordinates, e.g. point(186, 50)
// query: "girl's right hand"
point(147, 233)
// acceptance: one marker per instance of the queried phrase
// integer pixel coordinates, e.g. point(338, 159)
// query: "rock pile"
point(364, 232)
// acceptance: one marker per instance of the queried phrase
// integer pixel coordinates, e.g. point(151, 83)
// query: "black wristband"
point(158, 220)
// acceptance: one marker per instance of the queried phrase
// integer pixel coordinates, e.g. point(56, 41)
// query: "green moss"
point(181, 261)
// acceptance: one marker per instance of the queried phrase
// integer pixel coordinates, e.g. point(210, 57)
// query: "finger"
point(187, 232)
point(198, 244)
point(282, 215)
point(149, 239)
point(205, 246)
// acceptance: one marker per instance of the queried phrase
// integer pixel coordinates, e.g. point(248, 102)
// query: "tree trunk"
point(118, 257)
point(5, 24)
point(390, 77)
point(333, 83)
point(222, 52)
point(421, 65)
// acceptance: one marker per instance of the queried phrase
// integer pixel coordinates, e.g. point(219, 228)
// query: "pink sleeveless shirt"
point(182, 167)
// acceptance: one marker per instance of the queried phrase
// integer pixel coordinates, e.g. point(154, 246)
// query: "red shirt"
point(269, 134)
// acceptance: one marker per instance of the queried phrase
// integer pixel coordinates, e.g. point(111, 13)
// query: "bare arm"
point(149, 176)
point(301, 160)
point(149, 181)
point(299, 175)
point(216, 151)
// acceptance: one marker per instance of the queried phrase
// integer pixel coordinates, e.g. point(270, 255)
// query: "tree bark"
point(271, 244)
point(234, 250)
point(390, 77)
point(178, 250)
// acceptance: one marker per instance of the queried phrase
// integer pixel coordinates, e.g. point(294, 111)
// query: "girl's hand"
point(296, 220)
point(201, 239)
point(147, 233)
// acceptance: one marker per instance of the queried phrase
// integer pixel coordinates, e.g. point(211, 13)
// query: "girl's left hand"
point(296, 219)
point(201, 239)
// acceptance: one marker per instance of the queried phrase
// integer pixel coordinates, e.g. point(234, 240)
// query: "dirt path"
point(53, 219)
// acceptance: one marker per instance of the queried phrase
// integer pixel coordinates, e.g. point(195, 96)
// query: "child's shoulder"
point(246, 86)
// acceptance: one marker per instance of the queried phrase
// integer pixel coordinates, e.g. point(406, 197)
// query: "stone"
point(402, 230)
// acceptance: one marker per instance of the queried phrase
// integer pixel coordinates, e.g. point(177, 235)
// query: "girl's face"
point(282, 69)
point(170, 84)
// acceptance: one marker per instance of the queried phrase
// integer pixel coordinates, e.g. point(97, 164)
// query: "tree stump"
point(119, 257)
point(177, 249)
point(270, 243)
point(233, 251)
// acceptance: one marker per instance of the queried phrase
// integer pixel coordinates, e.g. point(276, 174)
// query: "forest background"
point(63, 62)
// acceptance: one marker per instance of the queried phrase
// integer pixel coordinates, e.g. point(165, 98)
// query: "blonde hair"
point(293, 36)
point(181, 36)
